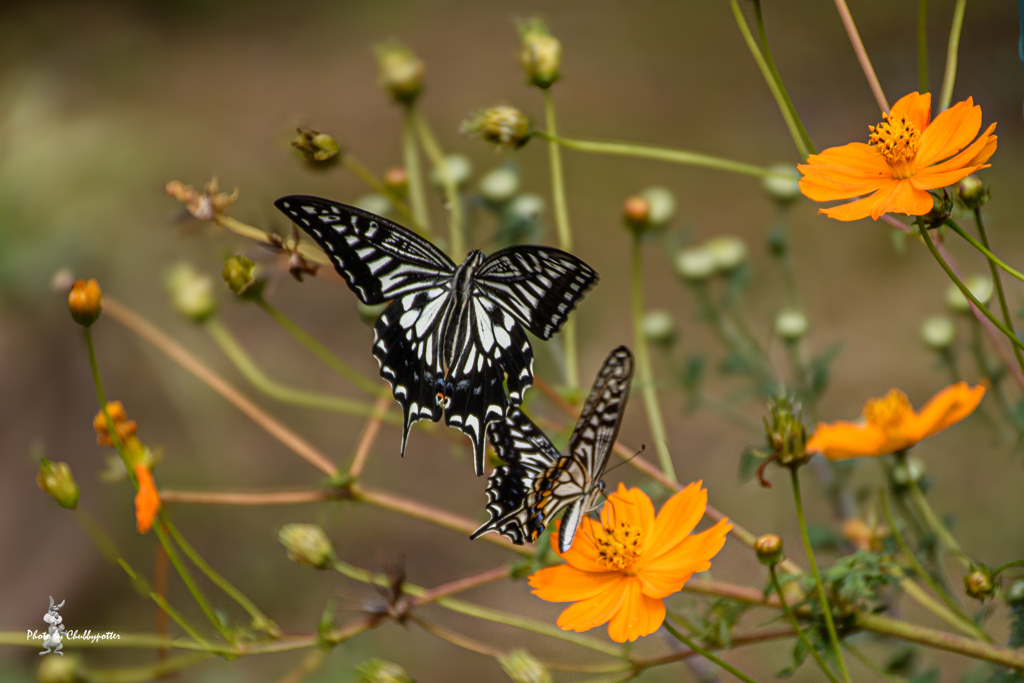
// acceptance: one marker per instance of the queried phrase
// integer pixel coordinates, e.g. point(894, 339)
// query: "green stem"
point(822, 597)
point(859, 655)
point(983, 248)
point(451, 192)
point(965, 290)
point(796, 626)
point(179, 620)
point(260, 620)
point(676, 156)
point(1003, 567)
point(706, 654)
point(572, 379)
point(762, 34)
point(366, 175)
point(951, 55)
point(247, 367)
point(645, 374)
point(1007, 318)
point(151, 672)
point(922, 45)
point(411, 159)
point(322, 352)
point(785, 107)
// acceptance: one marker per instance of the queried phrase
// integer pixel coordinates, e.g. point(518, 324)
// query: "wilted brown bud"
point(319, 149)
point(205, 205)
point(55, 479)
point(396, 179)
point(298, 266)
point(541, 53)
point(769, 549)
point(979, 585)
point(85, 301)
point(307, 544)
point(400, 72)
point(504, 126)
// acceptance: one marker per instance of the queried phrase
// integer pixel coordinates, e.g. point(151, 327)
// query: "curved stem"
point(922, 45)
point(706, 654)
point(949, 77)
point(645, 375)
point(411, 160)
point(1000, 293)
point(453, 203)
point(826, 609)
point(862, 55)
point(983, 248)
point(796, 626)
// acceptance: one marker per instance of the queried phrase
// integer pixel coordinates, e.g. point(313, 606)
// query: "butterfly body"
point(539, 482)
point(452, 339)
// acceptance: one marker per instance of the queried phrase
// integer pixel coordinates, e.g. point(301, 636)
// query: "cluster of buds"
point(206, 205)
point(319, 149)
point(649, 211)
point(85, 302)
point(540, 54)
point(718, 256)
point(400, 72)
point(56, 481)
point(307, 544)
point(504, 126)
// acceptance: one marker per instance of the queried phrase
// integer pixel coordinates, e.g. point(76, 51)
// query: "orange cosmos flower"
point(621, 569)
point(147, 500)
point(908, 155)
point(890, 423)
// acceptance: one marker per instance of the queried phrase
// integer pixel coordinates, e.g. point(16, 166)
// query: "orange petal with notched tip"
point(987, 151)
point(950, 132)
point(637, 616)
point(964, 158)
point(587, 614)
point(670, 571)
point(678, 517)
point(945, 409)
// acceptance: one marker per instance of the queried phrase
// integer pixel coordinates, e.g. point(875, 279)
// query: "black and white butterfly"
point(453, 334)
point(538, 481)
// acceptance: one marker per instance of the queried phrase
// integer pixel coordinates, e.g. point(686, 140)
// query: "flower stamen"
point(620, 546)
point(897, 140)
point(888, 412)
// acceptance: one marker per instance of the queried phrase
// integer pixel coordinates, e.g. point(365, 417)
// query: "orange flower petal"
point(638, 615)
point(945, 409)
point(629, 506)
point(583, 553)
point(862, 208)
point(844, 440)
point(950, 132)
point(966, 157)
point(844, 172)
point(916, 107)
point(667, 574)
point(586, 614)
point(987, 151)
point(678, 517)
point(565, 583)
point(931, 181)
point(147, 499)
point(905, 198)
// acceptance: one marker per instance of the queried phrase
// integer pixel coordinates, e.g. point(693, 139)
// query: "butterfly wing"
point(538, 286)
point(379, 260)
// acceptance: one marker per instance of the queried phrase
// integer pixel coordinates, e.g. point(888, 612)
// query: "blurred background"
point(102, 103)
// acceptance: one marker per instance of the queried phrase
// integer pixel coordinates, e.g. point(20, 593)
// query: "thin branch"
point(239, 498)
point(369, 435)
point(862, 55)
point(949, 77)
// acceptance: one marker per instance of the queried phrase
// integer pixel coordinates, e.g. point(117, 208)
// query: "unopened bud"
point(522, 667)
point(636, 210)
point(240, 274)
point(782, 184)
point(381, 671)
point(1015, 593)
point(55, 479)
point(369, 313)
point(526, 207)
point(504, 126)
point(54, 668)
point(978, 584)
point(191, 292)
point(375, 203)
point(791, 325)
point(695, 264)
point(971, 192)
point(85, 301)
point(938, 332)
point(459, 169)
point(662, 206)
point(307, 544)
point(319, 149)
point(400, 72)
point(729, 252)
point(910, 471)
point(979, 285)
point(659, 328)
point(785, 431)
point(62, 280)
point(396, 179)
point(541, 53)
point(768, 549)
point(500, 185)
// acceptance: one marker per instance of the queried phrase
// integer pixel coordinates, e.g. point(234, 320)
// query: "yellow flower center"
point(620, 546)
point(897, 141)
point(888, 412)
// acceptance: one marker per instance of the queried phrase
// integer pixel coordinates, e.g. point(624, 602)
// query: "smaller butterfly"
point(538, 481)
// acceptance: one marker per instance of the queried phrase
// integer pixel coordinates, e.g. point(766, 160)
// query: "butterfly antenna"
point(642, 448)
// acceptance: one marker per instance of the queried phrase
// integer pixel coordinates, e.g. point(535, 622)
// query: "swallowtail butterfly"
point(453, 334)
point(538, 481)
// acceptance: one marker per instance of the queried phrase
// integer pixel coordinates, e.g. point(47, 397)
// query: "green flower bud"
point(791, 324)
point(307, 544)
point(380, 671)
point(396, 179)
point(662, 206)
point(729, 252)
point(785, 431)
point(320, 149)
point(979, 285)
point(240, 275)
point(54, 668)
point(1015, 593)
point(375, 203)
point(504, 126)
point(971, 192)
point(85, 302)
point(191, 292)
point(637, 212)
point(369, 313)
point(979, 585)
point(526, 207)
point(768, 549)
point(541, 53)
point(55, 479)
point(938, 332)
point(783, 184)
point(905, 473)
point(695, 264)
point(659, 328)
point(522, 667)
point(500, 185)
point(400, 72)
point(459, 170)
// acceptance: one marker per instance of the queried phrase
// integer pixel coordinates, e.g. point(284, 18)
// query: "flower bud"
point(662, 206)
point(504, 126)
point(911, 471)
point(375, 203)
point(979, 285)
point(525, 207)
point(191, 292)
point(240, 274)
point(637, 212)
point(500, 185)
point(400, 72)
point(729, 252)
point(62, 281)
point(396, 179)
point(659, 328)
point(1015, 593)
point(541, 53)
point(979, 585)
point(85, 301)
point(783, 184)
point(125, 428)
point(785, 431)
point(522, 667)
point(971, 192)
point(55, 479)
point(768, 549)
point(791, 324)
point(307, 544)
point(695, 264)
point(56, 669)
point(319, 149)
point(459, 170)
point(938, 332)
point(369, 313)
point(381, 671)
